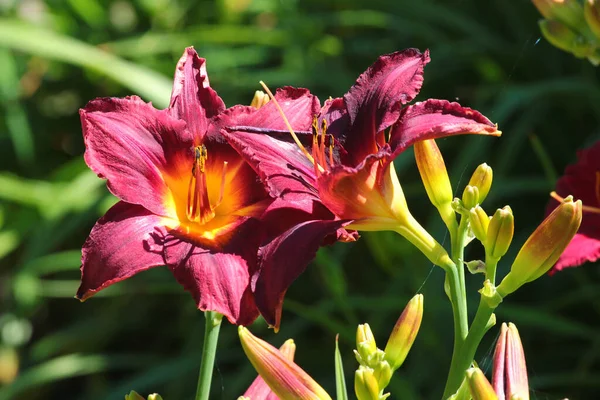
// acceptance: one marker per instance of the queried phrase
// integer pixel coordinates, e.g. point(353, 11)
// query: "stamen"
point(223, 175)
point(198, 205)
point(289, 126)
point(331, 143)
point(590, 209)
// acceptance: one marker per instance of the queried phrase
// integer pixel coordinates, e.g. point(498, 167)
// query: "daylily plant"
point(336, 175)
point(582, 180)
point(187, 199)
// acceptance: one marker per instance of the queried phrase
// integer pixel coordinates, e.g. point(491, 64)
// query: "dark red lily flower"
point(582, 180)
point(188, 200)
point(341, 175)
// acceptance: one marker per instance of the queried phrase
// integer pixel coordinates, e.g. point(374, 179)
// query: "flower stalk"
point(209, 351)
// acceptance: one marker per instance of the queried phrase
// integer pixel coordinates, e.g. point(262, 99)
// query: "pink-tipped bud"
point(286, 379)
point(479, 221)
point(500, 233)
point(479, 386)
point(259, 390)
point(591, 12)
point(510, 372)
point(404, 333)
point(365, 384)
point(482, 180)
point(260, 99)
point(470, 197)
point(545, 245)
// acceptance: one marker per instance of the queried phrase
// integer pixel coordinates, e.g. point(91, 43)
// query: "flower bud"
point(509, 377)
point(155, 396)
point(479, 386)
point(433, 172)
point(470, 197)
point(404, 332)
point(260, 99)
point(259, 390)
point(133, 395)
point(286, 379)
point(591, 12)
point(365, 342)
point(563, 37)
point(9, 365)
point(569, 12)
point(500, 233)
point(482, 180)
point(365, 384)
point(479, 221)
point(545, 245)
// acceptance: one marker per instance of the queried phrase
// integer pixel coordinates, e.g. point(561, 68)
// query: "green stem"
point(209, 350)
point(463, 360)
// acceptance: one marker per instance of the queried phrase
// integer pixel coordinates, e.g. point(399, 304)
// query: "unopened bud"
point(479, 222)
point(509, 378)
point(285, 378)
point(482, 180)
point(259, 388)
point(383, 374)
point(9, 365)
point(155, 396)
point(365, 342)
point(433, 172)
point(479, 386)
point(470, 197)
point(545, 245)
point(260, 99)
point(500, 233)
point(591, 12)
point(569, 12)
point(133, 395)
point(404, 333)
point(563, 37)
point(365, 384)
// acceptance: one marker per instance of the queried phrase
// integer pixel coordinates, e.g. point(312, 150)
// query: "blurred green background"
point(145, 333)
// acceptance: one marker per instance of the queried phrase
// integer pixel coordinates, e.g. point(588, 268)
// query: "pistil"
point(198, 205)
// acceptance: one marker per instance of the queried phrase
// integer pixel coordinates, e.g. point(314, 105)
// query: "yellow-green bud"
point(591, 12)
point(365, 384)
point(479, 386)
point(9, 365)
point(482, 180)
point(260, 99)
point(470, 197)
point(500, 233)
point(133, 395)
point(383, 374)
point(568, 12)
point(563, 37)
point(404, 332)
point(365, 343)
point(545, 245)
point(155, 396)
point(479, 221)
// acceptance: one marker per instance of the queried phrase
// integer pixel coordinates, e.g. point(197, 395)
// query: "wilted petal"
point(283, 259)
point(219, 279)
point(374, 102)
point(582, 180)
point(192, 99)
point(132, 145)
point(433, 119)
point(119, 246)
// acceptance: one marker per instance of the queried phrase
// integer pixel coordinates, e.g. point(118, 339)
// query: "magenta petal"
point(130, 143)
point(580, 250)
point(374, 102)
point(283, 260)
point(433, 119)
point(119, 246)
point(192, 99)
point(219, 279)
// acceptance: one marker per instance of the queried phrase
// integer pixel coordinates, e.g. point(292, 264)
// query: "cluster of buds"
point(509, 376)
point(572, 27)
point(376, 366)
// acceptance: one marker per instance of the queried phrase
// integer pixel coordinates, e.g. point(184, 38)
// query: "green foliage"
point(145, 333)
